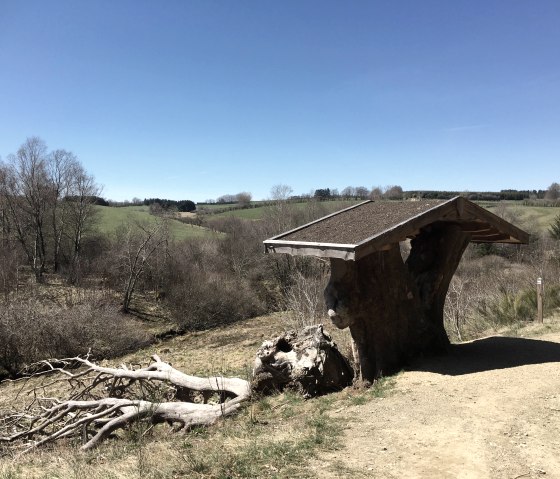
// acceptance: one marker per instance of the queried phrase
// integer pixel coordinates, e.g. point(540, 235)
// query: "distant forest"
point(360, 192)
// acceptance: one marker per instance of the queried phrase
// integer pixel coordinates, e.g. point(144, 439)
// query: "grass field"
point(110, 218)
point(260, 211)
point(221, 206)
point(536, 217)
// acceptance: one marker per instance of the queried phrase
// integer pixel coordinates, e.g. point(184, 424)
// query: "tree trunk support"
point(394, 308)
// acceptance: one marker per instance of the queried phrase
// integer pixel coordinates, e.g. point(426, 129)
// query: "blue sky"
point(195, 99)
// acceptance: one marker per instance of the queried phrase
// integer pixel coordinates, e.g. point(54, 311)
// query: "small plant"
point(382, 386)
point(554, 229)
point(507, 307)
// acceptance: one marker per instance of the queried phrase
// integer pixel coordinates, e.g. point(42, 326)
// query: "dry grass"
point(275, 437)
point(271, 437)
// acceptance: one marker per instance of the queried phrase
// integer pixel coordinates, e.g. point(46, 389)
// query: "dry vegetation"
point(189, 303)
point(271, 437)
point(495, 285)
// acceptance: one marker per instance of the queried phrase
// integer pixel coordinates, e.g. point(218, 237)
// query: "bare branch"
point(103, 399)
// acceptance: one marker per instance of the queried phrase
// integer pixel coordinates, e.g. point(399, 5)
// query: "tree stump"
point(307, 361)
point(394, 309)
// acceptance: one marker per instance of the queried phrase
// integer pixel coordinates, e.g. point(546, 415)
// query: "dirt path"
point(489, 410)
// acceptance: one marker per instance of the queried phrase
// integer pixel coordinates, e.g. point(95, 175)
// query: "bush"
point(508, 307)
point(303, 298)
point(31, 332)
point(555, 228)
point(208, 301)
point(208, 283)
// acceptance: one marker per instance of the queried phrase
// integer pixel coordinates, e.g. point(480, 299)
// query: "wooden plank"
point(539, 300)
point(295, 250)
point(502, 225)
point(496, 237)
point(477, 230)
point(309, 243)
point(460, 205)
point(504, 241)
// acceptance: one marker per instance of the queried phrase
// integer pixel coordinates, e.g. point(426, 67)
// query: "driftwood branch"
point(102, 400)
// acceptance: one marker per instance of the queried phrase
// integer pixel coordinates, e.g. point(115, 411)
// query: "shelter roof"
point(372, 226)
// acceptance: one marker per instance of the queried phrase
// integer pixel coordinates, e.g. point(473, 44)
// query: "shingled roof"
point(371, 226)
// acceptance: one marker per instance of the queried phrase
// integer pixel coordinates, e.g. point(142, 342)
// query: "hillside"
point(110, 218)
point(489, 409)
point(535, 218)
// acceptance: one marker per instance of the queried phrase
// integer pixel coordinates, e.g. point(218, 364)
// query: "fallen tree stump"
point(307, 361)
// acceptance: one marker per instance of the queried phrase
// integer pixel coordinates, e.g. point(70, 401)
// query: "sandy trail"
point(491, 409)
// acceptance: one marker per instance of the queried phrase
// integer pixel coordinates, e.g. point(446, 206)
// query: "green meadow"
point(111, 218)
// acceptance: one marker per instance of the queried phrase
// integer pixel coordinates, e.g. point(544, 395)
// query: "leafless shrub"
point(207, 287)
point(489, 292)
point(31, 331)
point(208, 300)
point(9, 264)
point(303, 298)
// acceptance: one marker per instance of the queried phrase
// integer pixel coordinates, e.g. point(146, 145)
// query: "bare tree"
point(40, 194)
point(553, 192)
point(348, 192)
point(280, 192)
point(362, 192)
point(393, 192)
point(60, 165)
point(244, 198)
point(279, 212)
point(376, 193)
point(138, 242)
point(26, 194)
point(81, 214)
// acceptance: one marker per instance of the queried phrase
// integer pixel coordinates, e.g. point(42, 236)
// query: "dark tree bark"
point(394, 309)
point(433, 260)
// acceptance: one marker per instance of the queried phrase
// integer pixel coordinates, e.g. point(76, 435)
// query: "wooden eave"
point(480, 224)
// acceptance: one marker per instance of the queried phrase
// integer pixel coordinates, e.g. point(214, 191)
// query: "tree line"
point(396, 192)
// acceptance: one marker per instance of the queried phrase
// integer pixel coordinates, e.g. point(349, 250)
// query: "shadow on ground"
point(488, 354)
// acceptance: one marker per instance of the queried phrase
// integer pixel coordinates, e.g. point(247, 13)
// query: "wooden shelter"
point(394, 307)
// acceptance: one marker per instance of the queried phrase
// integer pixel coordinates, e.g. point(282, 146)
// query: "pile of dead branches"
point(101, 400)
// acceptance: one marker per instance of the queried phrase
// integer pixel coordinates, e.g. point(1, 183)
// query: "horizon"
point(195, 100)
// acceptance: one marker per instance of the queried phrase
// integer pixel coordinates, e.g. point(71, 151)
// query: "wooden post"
point(539, 300)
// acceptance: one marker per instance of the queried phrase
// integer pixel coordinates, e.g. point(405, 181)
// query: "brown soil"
point(489, 410)
point(357, 224)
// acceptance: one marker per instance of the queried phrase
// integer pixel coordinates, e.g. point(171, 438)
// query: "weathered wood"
point(395, 309)
point(303, 248)
point(370, 297)
point(433, 259)
point(516, 234)
point(307, 361)
point(483, 225)
point(540, 300)
point(312, 251)
point(85, 414)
